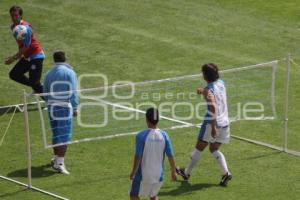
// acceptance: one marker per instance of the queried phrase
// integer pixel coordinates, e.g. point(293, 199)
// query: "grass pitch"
point(147, 40)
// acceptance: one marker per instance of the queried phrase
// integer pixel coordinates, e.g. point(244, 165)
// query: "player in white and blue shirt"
point(61, 107)
point(152, 144)
point(215, 127)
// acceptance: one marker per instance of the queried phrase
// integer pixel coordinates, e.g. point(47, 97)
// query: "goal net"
point(118, 110)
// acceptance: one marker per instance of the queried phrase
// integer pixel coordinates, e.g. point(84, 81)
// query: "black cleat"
point(180, 172)
point(225, 179)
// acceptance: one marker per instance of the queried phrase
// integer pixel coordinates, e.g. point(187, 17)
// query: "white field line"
point(183, 124)
point(138, 111)
point(189, 125)
point(91, 139)
point(111, 136)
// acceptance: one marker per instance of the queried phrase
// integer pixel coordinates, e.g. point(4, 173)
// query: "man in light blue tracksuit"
point(61, 107)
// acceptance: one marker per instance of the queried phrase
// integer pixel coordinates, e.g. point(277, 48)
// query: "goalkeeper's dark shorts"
point(61, 123)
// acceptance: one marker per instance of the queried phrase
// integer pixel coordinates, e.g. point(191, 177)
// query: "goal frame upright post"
point(286, 103)
point(28, 143)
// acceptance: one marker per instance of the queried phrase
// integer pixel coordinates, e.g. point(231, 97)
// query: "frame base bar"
point(34, 188)
point(295, 153)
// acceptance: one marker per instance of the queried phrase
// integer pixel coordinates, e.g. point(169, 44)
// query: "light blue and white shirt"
point(218, 89)
point(61, 78)
point(151, 146)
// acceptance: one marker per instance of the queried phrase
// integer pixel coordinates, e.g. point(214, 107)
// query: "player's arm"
point(139, 148)
point(171, 158)
point(203, 91)
point(17, 56)
point(136, 163)
point(21, 51)
point(212, 106)
point(173, 167)
point(74, 97)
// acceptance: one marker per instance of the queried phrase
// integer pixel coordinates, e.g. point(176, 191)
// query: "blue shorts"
point(135, 187)
point(61, 123)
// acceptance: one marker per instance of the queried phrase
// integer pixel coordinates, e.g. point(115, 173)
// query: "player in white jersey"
point(215, 127)
point(151, 146)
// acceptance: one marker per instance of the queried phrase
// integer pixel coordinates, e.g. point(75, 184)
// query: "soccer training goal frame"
point(23, 108)
point(284, 148)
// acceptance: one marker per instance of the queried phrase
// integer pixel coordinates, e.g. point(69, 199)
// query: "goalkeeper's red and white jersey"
point(218, 89)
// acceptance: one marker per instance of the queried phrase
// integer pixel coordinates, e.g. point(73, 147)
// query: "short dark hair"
point(59, 56)
point(210, 72)
point(152, 115)
point(16, 8)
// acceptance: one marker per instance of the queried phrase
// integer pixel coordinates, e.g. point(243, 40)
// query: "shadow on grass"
point(10, 194)
point(186, 187)
point(37, 172)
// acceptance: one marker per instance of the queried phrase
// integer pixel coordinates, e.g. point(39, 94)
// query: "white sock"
point(194, 159)
point(221, 160)
point(60, 160)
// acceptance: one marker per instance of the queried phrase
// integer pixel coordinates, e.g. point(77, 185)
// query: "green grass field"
point(149, 40)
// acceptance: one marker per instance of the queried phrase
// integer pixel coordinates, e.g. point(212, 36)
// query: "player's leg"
point(35, 73)
point(195, 156)
point(59, 161)
point(18, 72)
point(219, 156)
point(154, 198)
point(203, 139)
point(61, 124)
point(60, 151)
point(135, 187)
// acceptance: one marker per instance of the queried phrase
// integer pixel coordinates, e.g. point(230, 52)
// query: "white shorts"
point(145, 189)
point(223, 136)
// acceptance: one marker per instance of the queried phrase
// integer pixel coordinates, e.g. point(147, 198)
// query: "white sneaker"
point(61, 168)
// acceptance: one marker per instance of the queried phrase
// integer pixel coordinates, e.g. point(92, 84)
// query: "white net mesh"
point(118, 110)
